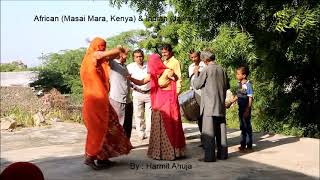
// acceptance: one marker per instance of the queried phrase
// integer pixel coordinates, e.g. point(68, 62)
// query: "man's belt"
point(142, 91)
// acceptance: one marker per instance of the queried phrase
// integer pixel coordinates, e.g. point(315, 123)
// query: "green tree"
point(285, 63)
point(129, 39)
point(61, 71)
point(13, 66)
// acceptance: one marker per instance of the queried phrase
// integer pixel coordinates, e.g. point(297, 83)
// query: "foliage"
point(57, 105)
point(25, 118)
point(13, 67)
point(129, 39)
point(182, 36)
point(54, 99)
point(61, 71)
point(232, 117)
point(22, 116)
point(278, 40)
point(64, 115)
point(233, 48)
point(36, 68)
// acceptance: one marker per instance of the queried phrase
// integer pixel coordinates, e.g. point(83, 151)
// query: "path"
point(22, 78)
point(58, 150)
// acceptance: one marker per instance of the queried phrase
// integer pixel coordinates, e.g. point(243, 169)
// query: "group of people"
point(108, 108)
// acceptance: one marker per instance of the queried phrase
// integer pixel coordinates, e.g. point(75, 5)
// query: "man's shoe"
point(249, 149)
point(222, 157)
point(241, 148)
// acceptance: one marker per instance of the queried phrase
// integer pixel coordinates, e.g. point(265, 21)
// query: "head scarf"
point(97, 44)
point(155, 69)
point(155, 65)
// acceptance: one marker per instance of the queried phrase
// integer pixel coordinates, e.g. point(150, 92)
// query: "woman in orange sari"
point(167, 141)
point(105, 136)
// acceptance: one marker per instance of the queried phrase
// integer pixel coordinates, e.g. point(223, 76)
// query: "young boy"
point(245, 98)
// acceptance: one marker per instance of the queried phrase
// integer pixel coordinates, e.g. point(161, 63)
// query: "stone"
point(56, 120)
point(8, 123)
point(40, 93)
point(38, 119)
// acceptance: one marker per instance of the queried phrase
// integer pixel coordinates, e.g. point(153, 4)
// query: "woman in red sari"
point(167, 141)
point(105, 136)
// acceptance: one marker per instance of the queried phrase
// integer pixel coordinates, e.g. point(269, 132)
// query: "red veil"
point(166, 101)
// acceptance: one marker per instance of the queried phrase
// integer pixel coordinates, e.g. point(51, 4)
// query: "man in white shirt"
point(197, 63)
point(140, 95)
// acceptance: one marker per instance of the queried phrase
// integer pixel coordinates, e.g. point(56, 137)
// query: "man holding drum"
point(197, 63)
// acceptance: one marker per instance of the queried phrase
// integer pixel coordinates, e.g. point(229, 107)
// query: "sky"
point(24, 39)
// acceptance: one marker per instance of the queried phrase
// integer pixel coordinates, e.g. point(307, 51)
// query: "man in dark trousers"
point(213, 83)
point(119, 96)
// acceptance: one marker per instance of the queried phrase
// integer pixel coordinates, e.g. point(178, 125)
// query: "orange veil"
point(105, 136)
point(95, 81)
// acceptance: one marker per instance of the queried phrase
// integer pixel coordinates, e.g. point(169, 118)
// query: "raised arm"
point(111, 54)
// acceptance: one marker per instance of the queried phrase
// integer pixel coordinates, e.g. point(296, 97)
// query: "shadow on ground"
point(258, 140)
point(138, 166)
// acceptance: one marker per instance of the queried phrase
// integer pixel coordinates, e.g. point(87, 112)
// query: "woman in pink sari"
point(167, 141)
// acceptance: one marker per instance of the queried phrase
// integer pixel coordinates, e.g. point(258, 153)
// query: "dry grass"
point(22, 103)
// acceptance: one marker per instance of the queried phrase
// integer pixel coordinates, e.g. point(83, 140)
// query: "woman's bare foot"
point(90, 162)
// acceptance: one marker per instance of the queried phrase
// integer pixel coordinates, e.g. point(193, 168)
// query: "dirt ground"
point(58, 151)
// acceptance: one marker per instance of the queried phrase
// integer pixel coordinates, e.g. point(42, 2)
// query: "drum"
point(189, 107)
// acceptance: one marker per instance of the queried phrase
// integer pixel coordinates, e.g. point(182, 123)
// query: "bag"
point(189, 107)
